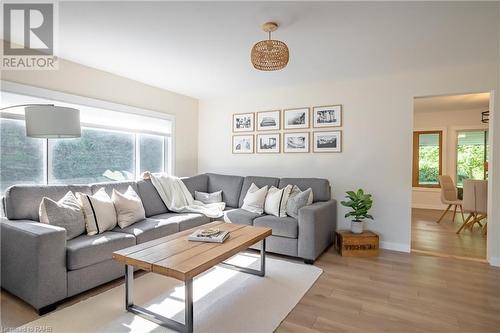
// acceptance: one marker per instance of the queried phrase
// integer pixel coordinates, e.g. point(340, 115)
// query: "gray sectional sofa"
point(41, 267)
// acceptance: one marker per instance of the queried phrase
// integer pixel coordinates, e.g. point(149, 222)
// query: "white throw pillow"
point(99, 211)
point(128, 206)
point(276, 201)
point(208, 198)
point(65, 213)
point(255, 199)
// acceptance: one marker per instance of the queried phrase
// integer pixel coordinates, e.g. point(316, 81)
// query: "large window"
point(427, 158)
point(114, 146)
point(97, 156)
point(22, 158)
point(151, 148)
point(472, 155)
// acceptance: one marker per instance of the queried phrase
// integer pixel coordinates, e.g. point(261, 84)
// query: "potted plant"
point(360, 203)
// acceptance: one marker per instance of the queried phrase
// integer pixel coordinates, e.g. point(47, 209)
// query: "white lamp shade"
point(49, 121)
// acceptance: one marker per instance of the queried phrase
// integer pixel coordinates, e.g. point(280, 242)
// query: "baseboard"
point(424, 206)
point(494, 261)
point(400, 247)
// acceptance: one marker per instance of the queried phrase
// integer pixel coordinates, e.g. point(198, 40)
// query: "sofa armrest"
point(33, 261)
point(317, 222)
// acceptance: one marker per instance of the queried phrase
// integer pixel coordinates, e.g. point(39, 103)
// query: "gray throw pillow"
point(208, 198)
point(65, 213)
point(296, 201)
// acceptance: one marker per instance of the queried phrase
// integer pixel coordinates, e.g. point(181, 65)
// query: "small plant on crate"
point(360, 203)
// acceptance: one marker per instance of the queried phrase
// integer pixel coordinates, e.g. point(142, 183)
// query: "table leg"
point(188, 312)
point(187, 327)
point(129, 286)
point(259, 272)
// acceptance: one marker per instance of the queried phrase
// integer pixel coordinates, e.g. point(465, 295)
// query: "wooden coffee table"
point(177, 257)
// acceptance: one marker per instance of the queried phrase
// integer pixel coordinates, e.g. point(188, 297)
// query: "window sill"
point(426, 189)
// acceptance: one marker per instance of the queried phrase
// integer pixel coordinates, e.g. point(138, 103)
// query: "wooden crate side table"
point(365, 244)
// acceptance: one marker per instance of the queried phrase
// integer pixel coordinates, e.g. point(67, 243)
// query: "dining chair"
point(449, 196)
point(475, 203)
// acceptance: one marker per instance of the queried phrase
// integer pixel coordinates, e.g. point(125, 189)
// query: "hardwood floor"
point(395, 292)
point(441, 239)
point(399, 292)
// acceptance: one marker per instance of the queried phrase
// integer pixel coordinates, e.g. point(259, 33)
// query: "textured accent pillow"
point(255, 199)
point(276, 200)
point(128, 206)
point(297, 200)
point(208, 198)
point(65, 213)
point(99, 211)
point(296, 190)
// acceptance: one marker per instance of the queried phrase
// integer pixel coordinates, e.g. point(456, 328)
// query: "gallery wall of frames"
point(298, 130)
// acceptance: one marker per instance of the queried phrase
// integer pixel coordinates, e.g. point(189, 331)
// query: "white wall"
point(449, 121)
point(493, 241)
point(84, 81)
point(377, 137)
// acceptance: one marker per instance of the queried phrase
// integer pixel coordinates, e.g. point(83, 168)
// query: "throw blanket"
point(177, 197)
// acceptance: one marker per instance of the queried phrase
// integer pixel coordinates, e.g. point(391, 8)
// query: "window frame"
point(416, 160)
point(459, 130)
point(169, 139)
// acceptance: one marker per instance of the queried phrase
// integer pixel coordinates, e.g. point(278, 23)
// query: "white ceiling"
point(453, 103)
point(203, 49)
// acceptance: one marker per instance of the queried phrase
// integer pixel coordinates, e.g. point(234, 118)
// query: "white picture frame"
point(243, 122)
point(296, 118)
point(269, 120)
point(296, 142)
point(243, 144)
point(327, 142)
point(268, 143)
point(327, 116)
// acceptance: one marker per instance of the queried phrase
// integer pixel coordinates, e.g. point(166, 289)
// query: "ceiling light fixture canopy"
point(270, 54)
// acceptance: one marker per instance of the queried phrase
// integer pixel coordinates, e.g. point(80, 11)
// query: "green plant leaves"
point(360, 203)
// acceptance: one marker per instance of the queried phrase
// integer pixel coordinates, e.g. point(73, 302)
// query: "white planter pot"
point(357, 227)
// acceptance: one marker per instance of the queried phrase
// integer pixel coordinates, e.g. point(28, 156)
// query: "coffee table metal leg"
point(187, 327)
point(129, 286)
point(188, 299)
point(259, 272)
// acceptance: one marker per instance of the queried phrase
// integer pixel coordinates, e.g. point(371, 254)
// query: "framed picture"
point(327, 142)
point(243, 144)
point(243, 122)
point(268, 143)
point(296, 142)
point(268, 120)
point(296, 118)
point(327, 116)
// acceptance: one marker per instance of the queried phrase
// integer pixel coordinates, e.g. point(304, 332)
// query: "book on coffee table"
point(209, 235)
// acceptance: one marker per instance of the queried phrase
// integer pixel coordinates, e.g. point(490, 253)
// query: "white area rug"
point(224, 301)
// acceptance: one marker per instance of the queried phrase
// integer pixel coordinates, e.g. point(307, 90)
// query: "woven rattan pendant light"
point(269, 55)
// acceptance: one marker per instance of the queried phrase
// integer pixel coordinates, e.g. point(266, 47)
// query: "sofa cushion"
point(259, 181)
point(282, 226)
point(320, 187)
point(240, 216)
point(87, 250)
point(23, 201)
point(184, 220)
point(149, 229)
point(110, 186)
point(196, 183)
point(230, 186)
point(151, 200)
